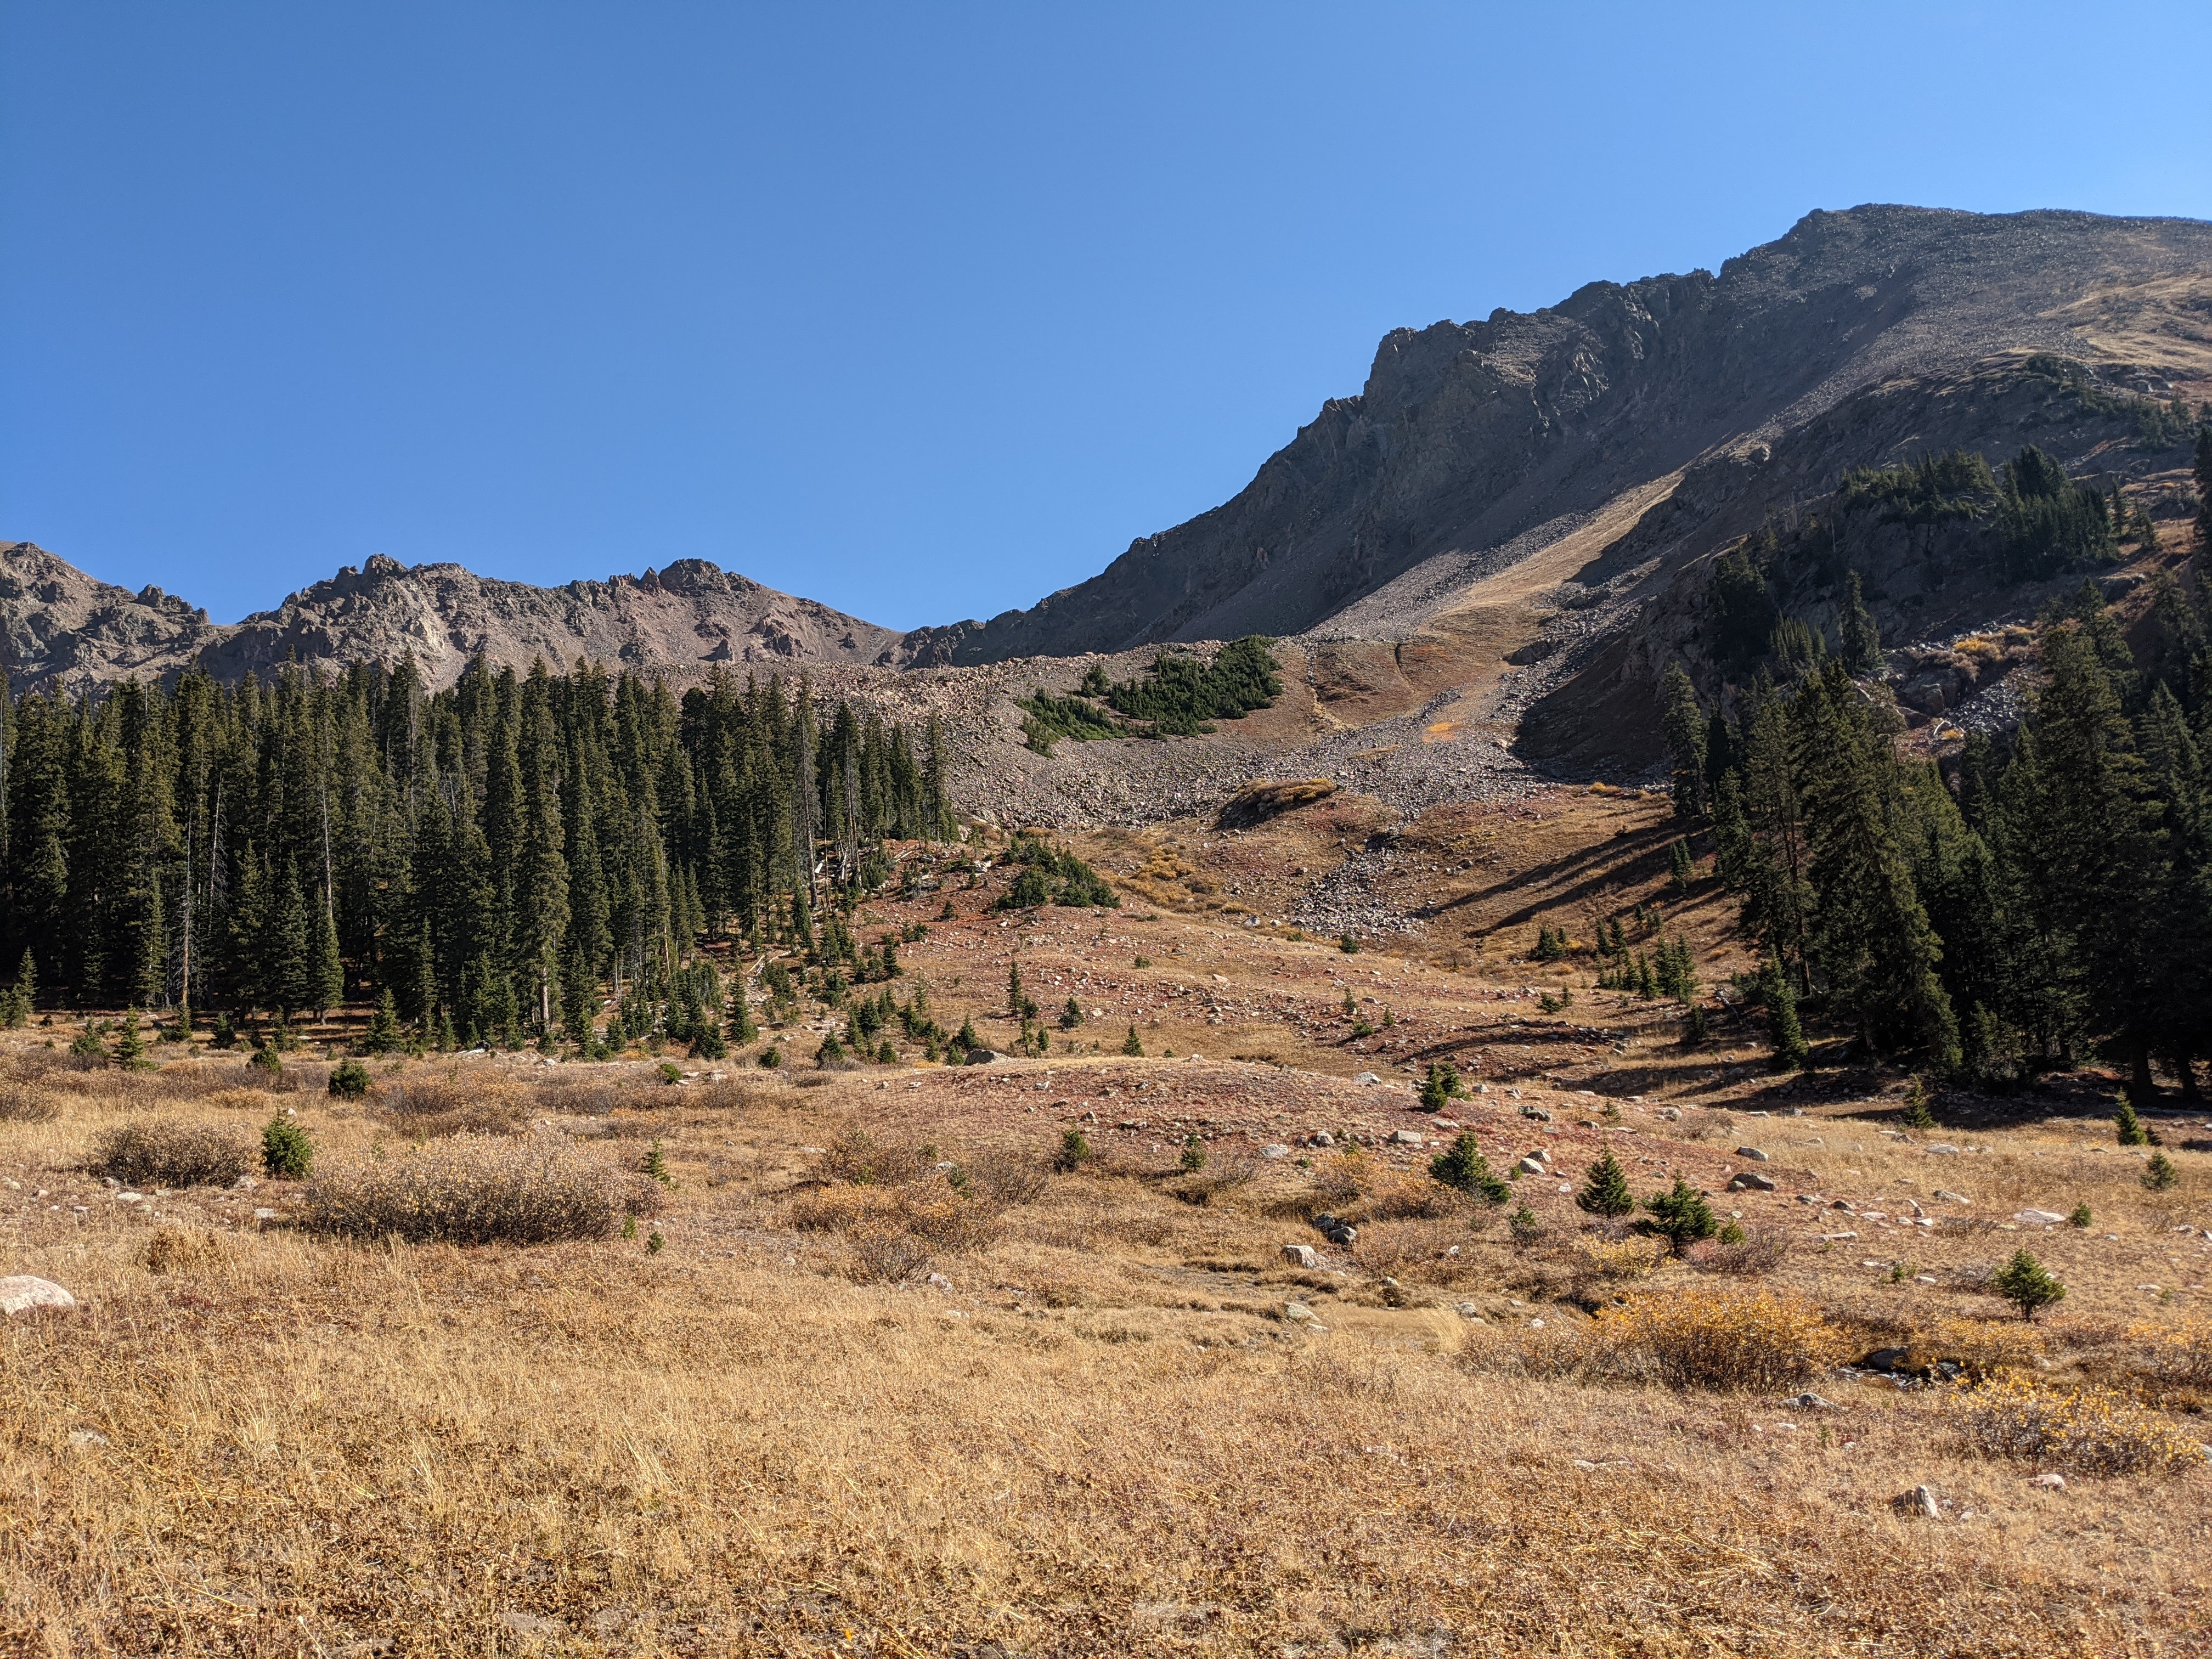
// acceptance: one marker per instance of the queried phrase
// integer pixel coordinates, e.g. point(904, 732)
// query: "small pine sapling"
point(1074, 1151)
point(2023, 1282)
point(2129, 1127)
point(1681, 871)
point(268, 1062)
point(656, 1166)
point(2160, 1175)
point(287, 1154)
point(1071, 1015)
point(349, 1080)
point(2079, 1216)
point(1681, 1215)
point(1194, 1155)
point(1131, 1046)
point(770, 1058)
point(969, 1039)
point(1915, 1115)
point(1604, 1190)
point(1465, 1169)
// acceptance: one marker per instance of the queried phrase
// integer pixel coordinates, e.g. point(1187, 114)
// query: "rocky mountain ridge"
point(1468, 437)
point(60, 626)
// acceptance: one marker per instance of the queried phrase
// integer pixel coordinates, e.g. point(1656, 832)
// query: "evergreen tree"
point(1681, 1215)
point(2024, 1282)
point(1684, 723)
point(1465, 1169)
point(1604, 1190)
point(1861, 641)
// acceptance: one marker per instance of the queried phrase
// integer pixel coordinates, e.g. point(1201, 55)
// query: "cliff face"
point(1468, 434)
point(60, 626)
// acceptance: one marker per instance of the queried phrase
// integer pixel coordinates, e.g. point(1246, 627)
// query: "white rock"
point(2038, 1218)
point(1301, 1255)
point(1297, 1311)
point(1532, 1165)
point(1406, 1138)
point(1753, 1153)
point(1274, 1148)
point(1366, 1077)
point(1920, 1501)
point(23, 1292)
point(87, 1438)
point(2055, 1482)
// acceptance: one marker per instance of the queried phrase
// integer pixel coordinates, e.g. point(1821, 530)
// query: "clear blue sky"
point(921, 310)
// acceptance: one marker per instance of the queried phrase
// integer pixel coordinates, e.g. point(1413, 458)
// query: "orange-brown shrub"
point(2093, 1430)
point(156, 1153)
point(473, 1189)
point(24, 1103)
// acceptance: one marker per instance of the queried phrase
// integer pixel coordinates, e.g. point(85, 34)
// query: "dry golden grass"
point(1104, 1438)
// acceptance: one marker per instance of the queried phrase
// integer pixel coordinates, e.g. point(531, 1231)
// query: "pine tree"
point(1465, 1169)
point(1604, 1190)
point(290, 985)
point(1131, 1046)
point(1017, 1001)
point(2129, 1127)
point(1862, 639)
point(2203, 475)
point(2023, 1282)
point(326, 978)
point(1791, 1052)
point(383, 1036)
point(1681, 871)
point(1684, 725)
point(1681, 1215)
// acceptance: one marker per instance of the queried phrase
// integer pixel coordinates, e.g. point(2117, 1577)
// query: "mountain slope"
point(59, 625)
point(1468, 435)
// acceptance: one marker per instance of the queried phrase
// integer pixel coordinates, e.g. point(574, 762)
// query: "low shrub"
point(1618, 1258)
point(1979, 1347)
point(856, 1158)
point(429, 1109)
point(476, 1189)
point(893, 1232)
point(2176, 1353)
point(1695, 1338)
point(20, 1102)
point(1752, 1251)
point(154, 1152)
point(349, 1080)
point(2089, 1430)
point(1005, 1177)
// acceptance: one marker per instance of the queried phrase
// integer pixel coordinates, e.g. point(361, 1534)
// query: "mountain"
point(1470, 436)
point(59, 625)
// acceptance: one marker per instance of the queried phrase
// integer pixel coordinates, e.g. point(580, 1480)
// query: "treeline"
point(2050, 898)
point(487, 856)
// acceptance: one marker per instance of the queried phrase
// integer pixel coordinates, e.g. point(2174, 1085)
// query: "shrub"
point(1074, 1151)
point(429, 1107)
point(477, 1190)
point(286, 1151)
point(2093, 1430)
point(2079, 1217)
point(2177, 1354)
point(855, 1158)
point(2158, 1175)
point(86, 1045)
point(1716, 1339)
point(151, 1152)
point(349, 1080)
point(771, 1057)
point(832, 1055)
point(1749, 1253)
point(21, 1104)
point(1979, 1347)
point(266, 1062)
point(1610, 1259)
point(2023, 1282)
point(1194, 1155)
point(1132, 1046)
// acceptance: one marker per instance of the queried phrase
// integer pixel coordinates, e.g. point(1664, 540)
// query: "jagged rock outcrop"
point(61, 626)
point(1468, 434)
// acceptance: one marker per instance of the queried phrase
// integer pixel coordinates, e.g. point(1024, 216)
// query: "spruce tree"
point(383, 1036)
point(1681, 1215)
point(1131, 1046)
point(1862, 639)
point(2024, 1282)
point(1604, 1190)
point(1465, 1169)
point(2130, 1128)
point(1684, 725)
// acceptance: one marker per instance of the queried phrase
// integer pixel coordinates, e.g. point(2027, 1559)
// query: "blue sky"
point(924, 312)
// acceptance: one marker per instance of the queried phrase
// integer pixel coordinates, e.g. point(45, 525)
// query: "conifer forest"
point(482, 864)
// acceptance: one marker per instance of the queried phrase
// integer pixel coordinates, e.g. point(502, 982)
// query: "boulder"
point(22, 1293)
point(1532, 1165)
point(1812, 1402)
point(1753, 1153)
point(1320, 1138)
point(1274, 1148)
point(1406, 1138)
point(1886, 1359)
point(1301, 1255)
point(1536, 1112)
point(2038, 1218)
point(1366, 1077)
point(1747, 1181)
point(1919, 1503)
point(2054, 1482)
